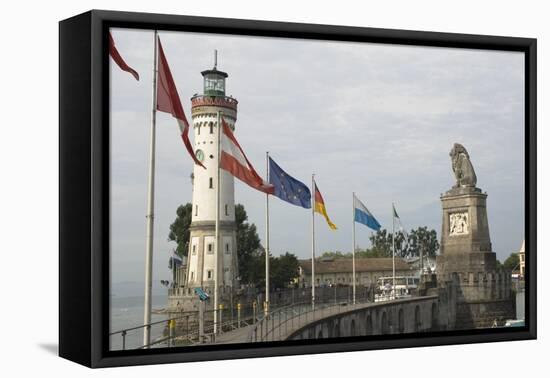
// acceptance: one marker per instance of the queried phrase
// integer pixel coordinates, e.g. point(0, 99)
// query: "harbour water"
point(127, 312)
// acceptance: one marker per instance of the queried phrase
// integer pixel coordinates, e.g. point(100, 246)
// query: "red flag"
point(168, 101)
point(234, 160)
point(118, 59)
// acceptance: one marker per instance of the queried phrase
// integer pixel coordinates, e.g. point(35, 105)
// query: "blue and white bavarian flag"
point(287, 187)
point(363, 215)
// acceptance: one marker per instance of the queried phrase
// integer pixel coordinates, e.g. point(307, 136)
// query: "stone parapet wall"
point(415, 315)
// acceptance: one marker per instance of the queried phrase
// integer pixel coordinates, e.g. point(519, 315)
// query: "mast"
point(353, 241)
point(313, 242)
point(266, 307)
point(393, 247)
point(147, 304)
point(217, 227)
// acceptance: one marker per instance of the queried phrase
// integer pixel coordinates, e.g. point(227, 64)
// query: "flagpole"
point(313, 242)
point(217, 227)
point(353, 241)
point(266, 307)
point(147, 304)
point(393, 245)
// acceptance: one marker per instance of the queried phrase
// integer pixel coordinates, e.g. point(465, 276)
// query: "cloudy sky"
point(376, 119)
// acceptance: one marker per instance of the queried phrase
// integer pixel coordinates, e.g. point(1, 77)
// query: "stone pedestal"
point(465, 240)
point(467, 261)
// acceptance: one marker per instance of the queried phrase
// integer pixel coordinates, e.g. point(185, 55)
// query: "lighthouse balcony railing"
point(205, 100)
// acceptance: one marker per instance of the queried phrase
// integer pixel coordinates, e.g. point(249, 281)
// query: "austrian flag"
point(233, 160)
point(168, 101)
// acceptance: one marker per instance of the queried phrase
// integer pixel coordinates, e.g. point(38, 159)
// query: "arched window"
point(211, 128)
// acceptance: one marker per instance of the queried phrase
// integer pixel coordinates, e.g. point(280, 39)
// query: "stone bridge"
point(414, 314)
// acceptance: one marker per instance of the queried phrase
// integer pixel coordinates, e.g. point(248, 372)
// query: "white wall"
point(28, 152)
point(204, 196)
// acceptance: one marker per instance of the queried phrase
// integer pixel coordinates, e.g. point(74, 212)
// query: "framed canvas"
point(234, 188)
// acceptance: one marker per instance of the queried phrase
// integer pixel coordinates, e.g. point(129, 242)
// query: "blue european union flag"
point(287, 187)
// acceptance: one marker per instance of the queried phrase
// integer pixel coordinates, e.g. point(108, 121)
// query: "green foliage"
point(283, 270)
point(368, 253)
point(335, 255)
point(423, 240)
point(248, 247)
point(179, 229)
point(381, 242)
point(406, 245)
point(512, 262)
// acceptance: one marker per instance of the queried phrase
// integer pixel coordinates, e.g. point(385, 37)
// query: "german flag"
point(320, 207)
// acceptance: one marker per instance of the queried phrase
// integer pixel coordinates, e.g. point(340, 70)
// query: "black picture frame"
point(84, 186)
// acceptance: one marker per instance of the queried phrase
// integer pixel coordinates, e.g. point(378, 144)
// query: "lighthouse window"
point(211, 183)
point(226, 210)
point(199, 129)
point(194, 250)
point(192, 276)
point(210, 248)
point(211, 128)
point(227, 248)
point(196, 210)
point(209, 274)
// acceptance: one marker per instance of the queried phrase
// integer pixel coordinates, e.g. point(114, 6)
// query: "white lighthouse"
point(204, 257)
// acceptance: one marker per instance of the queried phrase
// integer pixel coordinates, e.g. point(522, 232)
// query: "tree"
point(512, 262)
point(422, 240)
point(406, 245)
point(283, 270)
point(368, 253)
point(179, 229)
point(335, 255)
point(381, 243)
point(249, 249)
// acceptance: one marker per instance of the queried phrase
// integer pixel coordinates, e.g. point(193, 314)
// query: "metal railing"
point(172, 334)
point(182, 333)
point(280, 323)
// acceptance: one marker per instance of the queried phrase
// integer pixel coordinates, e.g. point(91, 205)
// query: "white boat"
point(515, 323)
point(404, 285)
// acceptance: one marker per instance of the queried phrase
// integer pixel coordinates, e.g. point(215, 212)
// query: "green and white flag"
point(400, 225)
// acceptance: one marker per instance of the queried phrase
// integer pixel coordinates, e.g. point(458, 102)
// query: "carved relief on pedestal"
point(458, 224)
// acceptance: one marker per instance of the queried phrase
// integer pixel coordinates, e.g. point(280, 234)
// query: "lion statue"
point(462, 167)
